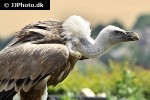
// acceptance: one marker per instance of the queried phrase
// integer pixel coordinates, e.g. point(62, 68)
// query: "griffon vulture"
point(44, 53)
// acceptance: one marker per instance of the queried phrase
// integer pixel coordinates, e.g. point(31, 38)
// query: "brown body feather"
point(38, 51)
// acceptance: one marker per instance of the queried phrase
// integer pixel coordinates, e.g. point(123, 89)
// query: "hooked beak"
point(131, 36)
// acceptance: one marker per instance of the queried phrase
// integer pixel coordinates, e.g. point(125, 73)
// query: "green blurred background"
point(123, 72)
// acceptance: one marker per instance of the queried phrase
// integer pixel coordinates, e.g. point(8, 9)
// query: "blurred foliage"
point(126, 88)
point(142, 21)
point(142, 58)
point(121, 81)
point(134, 52)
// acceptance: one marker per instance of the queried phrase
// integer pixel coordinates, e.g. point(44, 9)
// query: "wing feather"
point(36, 52)
point(44, 60)
point(10, 85)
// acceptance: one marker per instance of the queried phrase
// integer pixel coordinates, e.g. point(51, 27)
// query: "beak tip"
point(132, 36)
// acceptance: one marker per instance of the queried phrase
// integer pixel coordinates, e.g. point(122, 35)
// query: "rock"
point(87, 92)
point(103, 95)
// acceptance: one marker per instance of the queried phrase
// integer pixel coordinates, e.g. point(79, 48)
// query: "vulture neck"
point(78, 29)
point(93, 49)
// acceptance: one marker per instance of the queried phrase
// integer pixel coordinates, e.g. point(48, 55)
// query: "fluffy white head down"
point(77, 26)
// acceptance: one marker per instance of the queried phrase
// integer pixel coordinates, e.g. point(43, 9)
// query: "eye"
point(118, 33)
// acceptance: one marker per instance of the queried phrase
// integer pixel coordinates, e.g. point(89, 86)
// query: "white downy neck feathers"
point(77, 26)
point(77, 31)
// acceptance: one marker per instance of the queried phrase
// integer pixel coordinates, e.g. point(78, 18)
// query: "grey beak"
point(132, 36)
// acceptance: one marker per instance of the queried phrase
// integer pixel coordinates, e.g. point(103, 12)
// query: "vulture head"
point(114, 35)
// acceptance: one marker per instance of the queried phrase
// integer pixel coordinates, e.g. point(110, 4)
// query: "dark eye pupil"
point(117, 32)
